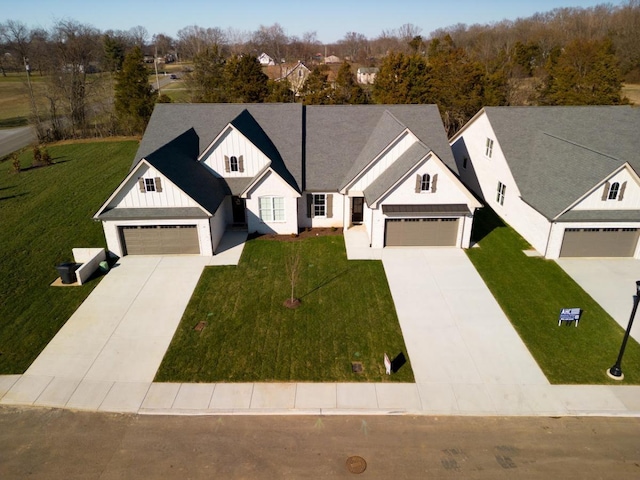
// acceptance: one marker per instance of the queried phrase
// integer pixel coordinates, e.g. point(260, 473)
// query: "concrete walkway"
point(611, 282)
point(465, 355)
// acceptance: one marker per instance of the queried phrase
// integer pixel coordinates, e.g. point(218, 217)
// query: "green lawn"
point(44, 213)
point(347, 314)
point(531, 291)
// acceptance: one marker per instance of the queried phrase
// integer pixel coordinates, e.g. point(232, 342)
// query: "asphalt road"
point(62, 444)
point(12, 139)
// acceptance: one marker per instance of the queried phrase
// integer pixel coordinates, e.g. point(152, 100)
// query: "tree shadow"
point(12, 196)
point(326, 282)
point(485, 221)
point(398, 362)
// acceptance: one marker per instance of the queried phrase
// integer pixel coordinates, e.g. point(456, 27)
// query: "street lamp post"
point(615, 372)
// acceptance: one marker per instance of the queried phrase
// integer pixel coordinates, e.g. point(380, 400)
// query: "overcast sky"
point(330, 19)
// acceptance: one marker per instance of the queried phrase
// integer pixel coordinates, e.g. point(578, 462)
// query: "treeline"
point(566, 56)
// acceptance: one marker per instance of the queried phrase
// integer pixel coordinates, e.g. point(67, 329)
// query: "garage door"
point(428, 232)
point(160, 240)
point(599, 242)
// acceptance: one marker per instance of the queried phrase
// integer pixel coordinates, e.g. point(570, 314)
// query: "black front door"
point(238, 207)
point(357, 204)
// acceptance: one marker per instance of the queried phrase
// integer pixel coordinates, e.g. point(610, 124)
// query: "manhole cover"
point(200, 326)
point(356, 464)
point(356, 367)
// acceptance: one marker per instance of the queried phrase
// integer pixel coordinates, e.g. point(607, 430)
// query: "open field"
point(347, 314)
point(15, 106)
point(632, 92)
point(532, 291)
point(46, 212)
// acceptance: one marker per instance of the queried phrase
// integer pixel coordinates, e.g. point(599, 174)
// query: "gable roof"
point(558, 154)
point(175, 161)
point(341, 140)
point(314, 148)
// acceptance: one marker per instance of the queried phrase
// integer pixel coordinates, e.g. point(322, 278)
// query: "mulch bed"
point(304, 233)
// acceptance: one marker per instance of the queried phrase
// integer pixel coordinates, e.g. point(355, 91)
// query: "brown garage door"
point(428, 232)
point(599, 242)
point(160, 240)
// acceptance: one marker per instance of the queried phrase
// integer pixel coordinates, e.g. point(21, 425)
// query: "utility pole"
point(34, 106)
point(155, 62)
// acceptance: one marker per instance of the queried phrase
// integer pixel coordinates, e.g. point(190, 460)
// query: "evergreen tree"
point(279, 92)
point(402, 79)
point(114, 49)
point(134, 96)
point(246, 82)
point(585, 72)
point(207, 81)
point(346, 89)
point(316, 89)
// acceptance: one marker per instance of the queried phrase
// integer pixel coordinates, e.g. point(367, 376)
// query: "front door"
point(357, 208)
point(238, 207)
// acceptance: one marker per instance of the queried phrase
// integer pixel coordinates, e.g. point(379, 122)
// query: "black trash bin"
point(67, 272)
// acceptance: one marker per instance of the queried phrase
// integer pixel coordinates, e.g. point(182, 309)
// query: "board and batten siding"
point(390, 155)
point(629, 200)
point(131, 195)
point(271, 185)
point(233, 143)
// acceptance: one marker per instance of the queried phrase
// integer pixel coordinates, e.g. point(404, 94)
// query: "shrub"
point(37, 156)
point(15, 163)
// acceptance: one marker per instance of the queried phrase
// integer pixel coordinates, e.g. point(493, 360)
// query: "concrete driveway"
point(122, 330)
point(610, 281)
point(461, 346)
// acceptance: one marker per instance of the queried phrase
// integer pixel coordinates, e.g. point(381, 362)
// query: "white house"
point(265, 60)
point(565, 178)
point(367, 75)
point(269, 168)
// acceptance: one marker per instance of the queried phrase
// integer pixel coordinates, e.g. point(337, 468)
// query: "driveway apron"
point(454, 330)
point(122, 330)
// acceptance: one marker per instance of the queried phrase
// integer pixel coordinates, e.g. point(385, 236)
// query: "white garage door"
point(427, 232)
point(599, 242)
point(160, 240)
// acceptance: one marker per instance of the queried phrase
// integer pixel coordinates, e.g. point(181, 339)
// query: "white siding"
point(272, 185)
point(130, 195)
point(335, 221)
point(447, 191)
point(233, 143)
point(114, 243)
point(483, 174)
point(218, 224)
point(630, 200)
point(391, 154)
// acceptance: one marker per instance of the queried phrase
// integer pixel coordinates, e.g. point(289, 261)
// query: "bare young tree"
point(293, 267)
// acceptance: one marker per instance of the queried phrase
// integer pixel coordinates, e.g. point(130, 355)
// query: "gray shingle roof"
point(314, 148)
point(558, 154)
point(156, 213)
point(175, 161)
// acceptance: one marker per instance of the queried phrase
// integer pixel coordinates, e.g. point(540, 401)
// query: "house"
point(265, 60)
point(296, 76)
point(279, 168)
point(565, 178)
point(332, 59)
point(367, 75)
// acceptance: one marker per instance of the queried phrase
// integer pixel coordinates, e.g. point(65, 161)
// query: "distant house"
point(367, 75)
point(332, 59)
point(269, 168)
point(565, 178)
point(265, 60)
point(296, 76)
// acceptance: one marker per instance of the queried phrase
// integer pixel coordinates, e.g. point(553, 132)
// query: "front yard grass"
point(347, 314)
point(531, 291)
point(44, 213)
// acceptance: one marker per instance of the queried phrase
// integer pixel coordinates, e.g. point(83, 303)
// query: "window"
point(319, 205)
point(489, 150)
point(150, 184)
point(233, 164)
point(271, 209)
point(501, 189)
point(613, 191)
point(425, 183)
point(464, 162)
